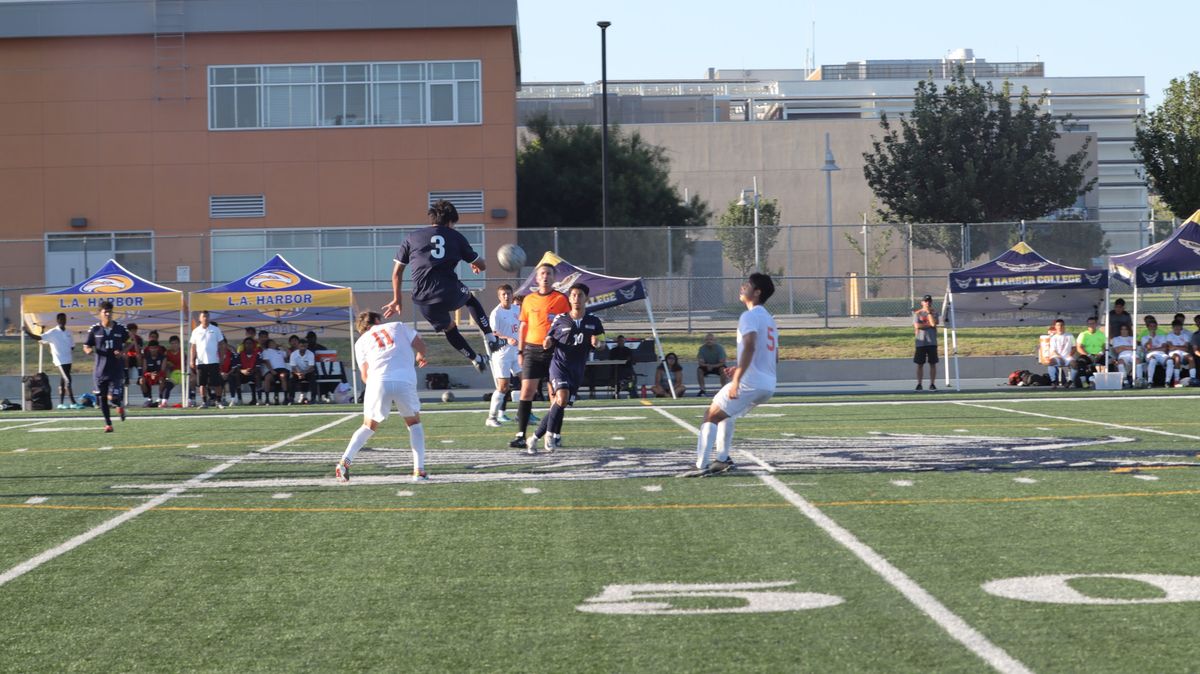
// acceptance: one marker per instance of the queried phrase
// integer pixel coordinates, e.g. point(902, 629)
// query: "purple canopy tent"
point(606, 291)
point(1018, 287)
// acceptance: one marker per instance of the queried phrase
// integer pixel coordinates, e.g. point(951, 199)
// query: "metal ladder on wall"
point(170, 57)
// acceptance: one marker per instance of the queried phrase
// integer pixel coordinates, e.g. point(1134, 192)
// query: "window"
point(70, 258)
point(344, 94)
point(360, 257)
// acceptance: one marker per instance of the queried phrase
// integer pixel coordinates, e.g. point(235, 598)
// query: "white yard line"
point(955, 626)
point(1081, 421)
point(59, 550)
point(36, 423)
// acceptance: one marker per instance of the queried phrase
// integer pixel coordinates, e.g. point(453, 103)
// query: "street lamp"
point(743, 203)
point(829, 167)
point(604, 139)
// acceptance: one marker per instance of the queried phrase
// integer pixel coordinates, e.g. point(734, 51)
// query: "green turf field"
point(911, 534)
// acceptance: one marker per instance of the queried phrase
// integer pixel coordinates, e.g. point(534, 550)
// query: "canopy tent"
point(1174, 261)
point(606, 291)
point(1020, 287)
point(280, 299)
point(135, 300)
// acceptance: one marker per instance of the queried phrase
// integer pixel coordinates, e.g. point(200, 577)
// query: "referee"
point(538, 310)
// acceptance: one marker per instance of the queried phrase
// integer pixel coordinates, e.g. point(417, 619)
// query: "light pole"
point(604, 140)
point(829, 167)
point(742, 202)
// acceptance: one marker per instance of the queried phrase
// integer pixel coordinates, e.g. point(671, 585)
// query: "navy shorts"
point(438, 313)
point(567, 378)
point(112, 383)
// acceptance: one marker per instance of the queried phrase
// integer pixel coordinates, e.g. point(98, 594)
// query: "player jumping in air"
point(106, 340)
point(433, 253)
point(572, 337)
point(385, 353)
point(753, 378)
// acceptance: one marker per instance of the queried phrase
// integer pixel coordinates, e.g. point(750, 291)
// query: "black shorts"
point(438, 313)
point(535, 363)
point(712, 369)
point(925, 354)
point(208, 374)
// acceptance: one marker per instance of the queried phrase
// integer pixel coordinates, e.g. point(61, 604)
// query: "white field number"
point(1056, 589)
point(758, 598)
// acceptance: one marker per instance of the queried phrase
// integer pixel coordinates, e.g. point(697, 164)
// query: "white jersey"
point(1154, 343)
point(275, 358)
point(387, 351)
point(1126, 342)
point(1178, 342)
point(506, 322)
point(205, 341)
point(60, 342)
point(761, 373)
point(1062, 346)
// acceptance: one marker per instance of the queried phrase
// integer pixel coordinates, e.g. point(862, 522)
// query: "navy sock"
point(544, 425)
point(459, 343)
point(480, 316)
point(558, 413)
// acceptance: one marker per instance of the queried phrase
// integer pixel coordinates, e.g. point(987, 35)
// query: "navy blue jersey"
point(109, 348)
point(572, 342)
point(154, 363)
point(432, 254)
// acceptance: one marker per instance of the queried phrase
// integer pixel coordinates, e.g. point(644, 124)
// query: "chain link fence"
point(842, 275)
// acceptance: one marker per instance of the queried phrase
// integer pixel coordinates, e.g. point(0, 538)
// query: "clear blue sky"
point(674, 39)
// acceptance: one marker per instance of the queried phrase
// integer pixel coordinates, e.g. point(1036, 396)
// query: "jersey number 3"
point(439, 247)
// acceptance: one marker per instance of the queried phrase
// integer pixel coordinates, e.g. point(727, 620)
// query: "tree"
point(965, 155)
point(735, 230)
point(559, 186)
point(1168, 140)
point(880, 254)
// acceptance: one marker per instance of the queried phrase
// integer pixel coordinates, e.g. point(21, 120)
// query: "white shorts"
point(379, 396)
point(1157, 356)
point(1177, 352)
point(504, 363)
point(1126, 356)
point(748, 398)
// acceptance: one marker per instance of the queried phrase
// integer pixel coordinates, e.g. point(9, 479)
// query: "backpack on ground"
point(37, 391)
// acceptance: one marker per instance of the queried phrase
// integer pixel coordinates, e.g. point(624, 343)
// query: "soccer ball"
point(511, 257)
point(448, 397)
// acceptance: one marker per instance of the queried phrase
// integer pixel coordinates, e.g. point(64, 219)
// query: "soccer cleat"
point(503, 418)
point(718, 466)
point(548, 443)
point(492, 423)
point(698, 472)
point(108, 429)
point(533, 418)
point(531, 445)
point(342, 471)
point(149, 403)
point(480, 362)
point(420, 476)
point(494, 343)
point(203, 405)
point(518, 442)
point(121, 413)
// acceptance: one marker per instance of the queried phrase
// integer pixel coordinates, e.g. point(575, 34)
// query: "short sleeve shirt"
point(1178, 342)
point(926, 336)
point(302, 361)
point(60, 342)
point(711, 354)
point(1115, 321)
point(538, 312)
point(1092, 342)
point(432, 255)
point(506, 322)
point(761, 373)
point(109, 345)
point(206, 340)
point(387, 351)
point(573, 339)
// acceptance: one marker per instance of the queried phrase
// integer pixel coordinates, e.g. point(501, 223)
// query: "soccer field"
point(917, 533)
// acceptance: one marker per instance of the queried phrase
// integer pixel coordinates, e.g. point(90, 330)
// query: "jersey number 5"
point(770, 339)
point(439, 247)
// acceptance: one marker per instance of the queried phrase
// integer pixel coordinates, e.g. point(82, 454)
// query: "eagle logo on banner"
point(273, 280)
point(1093, 279)
point(108, 284)
point(627, 293)
point(1150, 278)
point(564, 285)
point(1023, 298)
point(1193, 246)
point(1023, 268)
point(963, 283)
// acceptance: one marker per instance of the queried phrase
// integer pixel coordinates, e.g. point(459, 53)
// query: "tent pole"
point(185, 362)
point(353, 362)
point(662, 359)
point(1133, 331)
point(183, 389)
point(24, 404)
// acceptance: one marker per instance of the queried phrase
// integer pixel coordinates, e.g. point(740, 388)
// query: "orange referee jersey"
point(538, 311)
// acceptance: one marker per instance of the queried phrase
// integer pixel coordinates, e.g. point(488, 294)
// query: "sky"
point(673, 39)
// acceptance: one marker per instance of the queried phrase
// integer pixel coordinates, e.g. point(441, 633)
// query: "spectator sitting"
point(624, 372)
point(277, 377)
point(1154, 346)
point(293, 344)
point(1091, 351)
point(245, 370)
point(313, 344)
point(711, 357)
point(304, 373)
point(1178, 351)
point(133, 353)
point(1194, 347)
point(674, 380)
point(1122, 346)
point(156, 370)
point(1062, 355)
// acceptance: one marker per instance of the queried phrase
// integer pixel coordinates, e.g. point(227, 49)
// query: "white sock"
point(708, 432)
point(724, 439)
point(1150, 365)
point(1192, 372)
point(416, 436)
point(1170, 372)
point(357, 441)
point(497, 399)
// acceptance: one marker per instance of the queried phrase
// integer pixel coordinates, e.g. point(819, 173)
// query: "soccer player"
point(61, 343)
point(1155, 347)
point(433, 253)
point(106, 340)
point(1122, 345)
point(751, 383)
point(538, 311)
point(571, 337)
point(385, 354)
point(1178, 341)
point(506, 320)
point(1062, 354)
point(156, 369)
point(278, 376)
point(205, 358)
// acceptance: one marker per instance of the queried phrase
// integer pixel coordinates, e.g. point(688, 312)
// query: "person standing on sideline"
point(205, 358)
point(61, 343)
point(506, 319)
point(1117, 317)
point(538, 310)
point(571, 337)
point(385, 354)
point(751, 383)
point(925, 323)
point(433, 254)
point(106, 340)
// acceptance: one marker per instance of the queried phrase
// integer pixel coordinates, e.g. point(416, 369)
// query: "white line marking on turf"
point(902, 483)
point(618, 437)
point(35, 423)
point(404, 493)
point(105, 448)
point(1025, 480)
point(281, 495)
point(955, 626)
point(1080, 421)
point(21, 449)
point(193, 446)
point(531, 490)
point(69, 545)
point(1043, 428)
point(652, 487)
point(36, 500)
point(61, 429)
point(1146, 477)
